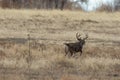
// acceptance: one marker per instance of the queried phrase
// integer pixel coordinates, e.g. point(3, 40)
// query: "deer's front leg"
point(80, 52)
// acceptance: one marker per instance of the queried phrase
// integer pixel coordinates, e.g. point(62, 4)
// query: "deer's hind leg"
point(72, 54)
point(67, 51)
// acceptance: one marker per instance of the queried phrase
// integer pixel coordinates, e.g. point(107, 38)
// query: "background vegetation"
point(106, 5)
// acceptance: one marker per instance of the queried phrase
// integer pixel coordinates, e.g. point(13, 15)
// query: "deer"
point(75, 47)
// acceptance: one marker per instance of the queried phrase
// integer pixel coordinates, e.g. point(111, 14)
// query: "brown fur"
point(73, 48)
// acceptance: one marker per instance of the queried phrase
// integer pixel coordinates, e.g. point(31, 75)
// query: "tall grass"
point(49, 29)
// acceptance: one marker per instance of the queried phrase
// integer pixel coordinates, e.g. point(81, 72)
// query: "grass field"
point(48, 31)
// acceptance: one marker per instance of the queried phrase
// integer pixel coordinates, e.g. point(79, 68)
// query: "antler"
point(78, 36)
point(85, 37)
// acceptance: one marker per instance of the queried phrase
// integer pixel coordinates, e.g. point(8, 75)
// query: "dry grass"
point(49, 30)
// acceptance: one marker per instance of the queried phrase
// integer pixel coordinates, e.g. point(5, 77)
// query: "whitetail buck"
point(73, 48)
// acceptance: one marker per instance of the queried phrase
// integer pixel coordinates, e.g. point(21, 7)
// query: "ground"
point(42, 57)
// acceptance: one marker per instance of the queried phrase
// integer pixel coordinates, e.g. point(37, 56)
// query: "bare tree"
point(56, 4)
point(63, 4)
point(73, 48)
point(39, 4)
point(117, 4)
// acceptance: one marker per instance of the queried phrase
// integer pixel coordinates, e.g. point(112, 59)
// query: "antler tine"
point(78, 36)
point(85, 37)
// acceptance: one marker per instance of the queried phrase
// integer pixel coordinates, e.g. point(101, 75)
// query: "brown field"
point(48, 31)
